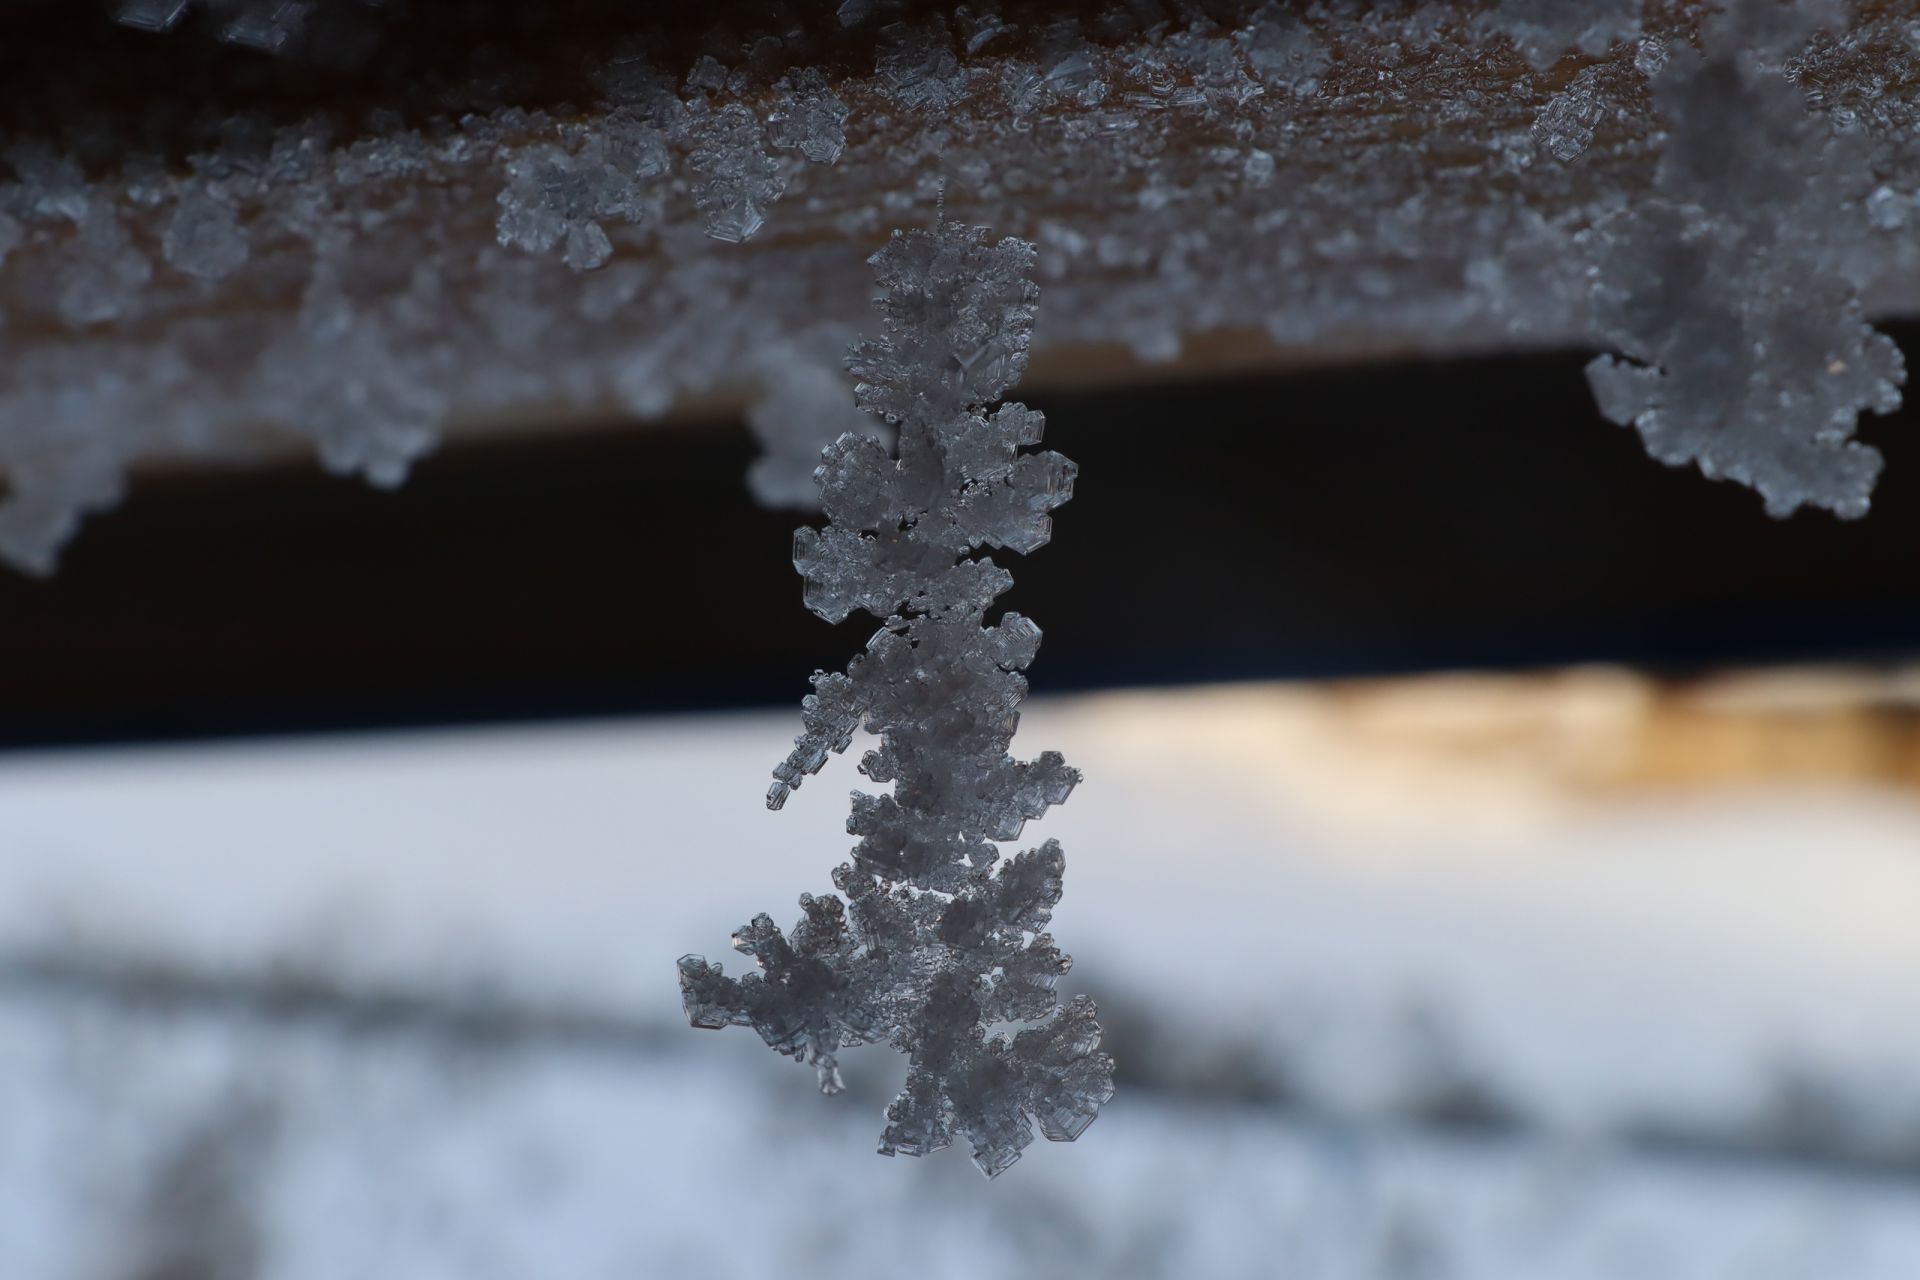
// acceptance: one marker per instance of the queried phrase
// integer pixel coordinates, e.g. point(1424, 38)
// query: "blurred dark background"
point(1363, 520)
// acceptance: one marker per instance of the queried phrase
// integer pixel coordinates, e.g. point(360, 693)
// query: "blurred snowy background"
point(1517, 979)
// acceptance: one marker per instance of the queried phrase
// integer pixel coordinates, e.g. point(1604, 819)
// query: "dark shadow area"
point(1360, 521)
point(71, 74)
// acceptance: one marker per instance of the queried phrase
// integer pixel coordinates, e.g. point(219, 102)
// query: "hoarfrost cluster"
point(938, 941)
point(1331, 178)
point(1733, 292)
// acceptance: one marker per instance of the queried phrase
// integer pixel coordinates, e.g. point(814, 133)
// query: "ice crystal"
point(810, 118)
point(742, 180)
point(1731, 293)
point(1543, 31)
point(934, 944)
point(106, 276)
point(917, 65)
point(554, 194)
point(1210, 71)
point(1283, 51)
point(1565, 126)
point(1887, 209)
point(806, 404)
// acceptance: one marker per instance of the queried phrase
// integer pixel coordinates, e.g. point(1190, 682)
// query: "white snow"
point(1597, 963)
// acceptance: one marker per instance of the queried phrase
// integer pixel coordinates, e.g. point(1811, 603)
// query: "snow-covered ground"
point(1301, 954)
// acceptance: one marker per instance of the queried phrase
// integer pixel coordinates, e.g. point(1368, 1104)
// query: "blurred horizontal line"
point(480, 1018)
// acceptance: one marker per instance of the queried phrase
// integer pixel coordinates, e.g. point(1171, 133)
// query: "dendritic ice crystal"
point(1734, 291)
point(934, 944)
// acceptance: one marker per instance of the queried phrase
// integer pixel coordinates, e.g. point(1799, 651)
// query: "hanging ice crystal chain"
point(937, 941)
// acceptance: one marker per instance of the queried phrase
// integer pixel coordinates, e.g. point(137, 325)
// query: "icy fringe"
point(1719, 222)
point(1734, 291)
point(937, 941)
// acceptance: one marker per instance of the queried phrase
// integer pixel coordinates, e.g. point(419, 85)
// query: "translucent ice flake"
point(1887, 209)
point(267, 25)
point(1209, 70)
point(1564, 128)
point(979, 25)
point(1650, 56)
point(809, 117)
point(43, 499)
point(150, 15)
point(740, 180)
point(103, 274)
point(934, 940)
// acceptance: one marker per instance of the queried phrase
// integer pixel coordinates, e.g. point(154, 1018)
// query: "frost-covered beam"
point(615, 215)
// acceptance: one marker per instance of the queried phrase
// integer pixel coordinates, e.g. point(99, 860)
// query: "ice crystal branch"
point(937, 942)
point(1734, 292)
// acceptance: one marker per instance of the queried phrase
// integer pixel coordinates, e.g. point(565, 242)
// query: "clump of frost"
point(917, 67)
point(1650, 56)
point(205, 238)
point(1208, 70)
point(105, 273)
point(45, 500)
point(557, 194)
point(1283, 51)
point(150, 15)
point(1564, 128)
point(809, 117)
point(805, 405)
point(741, 181)
point(1543, 31)
point(937, 942)
point(1732, 294)
point(1068, 72)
